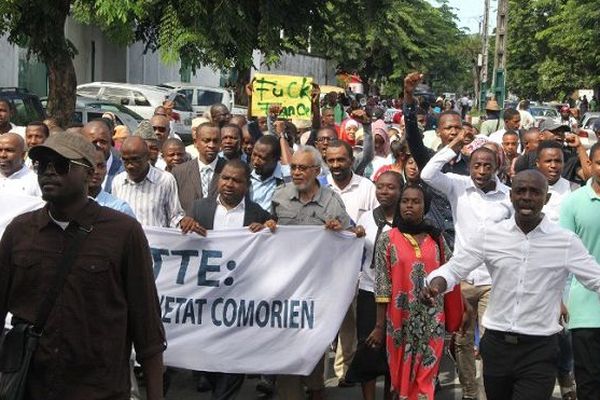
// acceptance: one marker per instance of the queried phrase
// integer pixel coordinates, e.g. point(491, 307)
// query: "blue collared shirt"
point(262, 191)
point(108, 200)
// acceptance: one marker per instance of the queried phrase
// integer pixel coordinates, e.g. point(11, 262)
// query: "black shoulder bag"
point(18, 345)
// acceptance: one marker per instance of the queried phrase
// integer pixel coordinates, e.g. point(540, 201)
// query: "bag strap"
point(59, 280)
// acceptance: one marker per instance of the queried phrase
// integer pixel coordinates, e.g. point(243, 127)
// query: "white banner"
point(240, 302)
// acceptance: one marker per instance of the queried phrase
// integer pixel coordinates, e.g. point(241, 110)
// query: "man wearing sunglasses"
point(82, 353)
point(306, 202)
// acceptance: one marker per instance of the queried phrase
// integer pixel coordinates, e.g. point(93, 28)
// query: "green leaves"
point(553, 47)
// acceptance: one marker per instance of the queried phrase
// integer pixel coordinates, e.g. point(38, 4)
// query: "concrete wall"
point(9, 63)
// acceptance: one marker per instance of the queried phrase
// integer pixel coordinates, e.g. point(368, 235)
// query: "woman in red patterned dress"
point(414, 332)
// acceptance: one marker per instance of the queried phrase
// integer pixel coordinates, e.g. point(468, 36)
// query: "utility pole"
point(484, 54)
point(499, 78)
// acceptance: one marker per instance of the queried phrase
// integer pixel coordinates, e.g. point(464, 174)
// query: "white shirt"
point(225, 218)
point(366, 280)
point(358, 195)
point(19, 130)
point(154, 200)
point(529, 273)
point(558, 191)
point(471, 207)
point(23, 181)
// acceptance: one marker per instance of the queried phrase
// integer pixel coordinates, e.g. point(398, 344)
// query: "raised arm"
point(432, 172)
point(368, 153)
point(414, 139)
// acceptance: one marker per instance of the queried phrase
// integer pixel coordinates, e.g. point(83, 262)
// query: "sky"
point(470, 13)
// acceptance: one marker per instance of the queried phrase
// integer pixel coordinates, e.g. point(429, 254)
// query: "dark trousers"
point(586, 352)
point(224, 386)
point(518, 367)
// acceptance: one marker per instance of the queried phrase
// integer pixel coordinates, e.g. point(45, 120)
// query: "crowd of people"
point(482, 238)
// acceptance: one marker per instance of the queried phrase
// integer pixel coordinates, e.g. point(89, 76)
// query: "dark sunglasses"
point(159, 128)
point(61, 166)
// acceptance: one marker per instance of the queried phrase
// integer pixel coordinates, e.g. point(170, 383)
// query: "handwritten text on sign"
point(291, 92)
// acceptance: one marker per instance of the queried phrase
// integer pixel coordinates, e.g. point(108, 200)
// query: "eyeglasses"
point(61, 166)
point(302, 168)
point(160, 128)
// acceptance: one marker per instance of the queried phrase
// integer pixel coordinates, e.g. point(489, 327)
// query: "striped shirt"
point(154, 200)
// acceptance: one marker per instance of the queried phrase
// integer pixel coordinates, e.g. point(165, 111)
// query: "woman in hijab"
point(348, 130)
point(381, 142)
point(413, 331)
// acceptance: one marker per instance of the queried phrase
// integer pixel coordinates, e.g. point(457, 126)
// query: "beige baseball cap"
point(71, 146)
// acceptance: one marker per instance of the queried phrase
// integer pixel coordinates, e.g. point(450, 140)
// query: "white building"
point(98, 59)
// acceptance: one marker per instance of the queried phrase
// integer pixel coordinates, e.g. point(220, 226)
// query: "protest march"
point(318, 239)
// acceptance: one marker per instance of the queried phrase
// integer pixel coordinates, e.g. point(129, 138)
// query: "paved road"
point(183, 387)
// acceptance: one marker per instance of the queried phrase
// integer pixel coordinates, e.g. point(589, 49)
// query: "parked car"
point(83, 115)
point(143, 99)
point(202, 97)
point(541, 113)
point(587, 135)
point(106, 106)
point(27, 106)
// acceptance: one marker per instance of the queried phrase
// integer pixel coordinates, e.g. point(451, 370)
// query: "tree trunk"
point(62, 85)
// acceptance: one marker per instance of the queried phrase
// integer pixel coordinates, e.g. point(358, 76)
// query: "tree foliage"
point(380, 39)
point(553, 47)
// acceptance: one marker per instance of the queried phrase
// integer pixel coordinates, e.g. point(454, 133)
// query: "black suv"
point(26, 106)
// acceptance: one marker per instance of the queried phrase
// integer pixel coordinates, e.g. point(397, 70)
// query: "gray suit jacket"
point(189, 186)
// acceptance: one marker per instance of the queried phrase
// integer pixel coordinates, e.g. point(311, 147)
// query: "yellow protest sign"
point(291, 92)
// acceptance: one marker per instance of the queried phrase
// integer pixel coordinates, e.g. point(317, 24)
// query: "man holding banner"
point(229, 209)
point(306, 202)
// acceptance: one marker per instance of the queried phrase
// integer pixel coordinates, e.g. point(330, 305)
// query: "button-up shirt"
point(108, 200)
point(326, 205)
point(262, 190)
point(358, 195)
point(233, 218)
point(561, 189)
point(471, 207)
point(529, 273)
point(23, 181)
point(109, 163)
point(154, 200)
point(108, 302)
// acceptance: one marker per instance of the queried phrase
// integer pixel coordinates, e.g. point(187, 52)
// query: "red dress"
point(414, 331)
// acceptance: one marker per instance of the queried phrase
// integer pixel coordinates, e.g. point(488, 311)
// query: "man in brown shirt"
point(109, 300)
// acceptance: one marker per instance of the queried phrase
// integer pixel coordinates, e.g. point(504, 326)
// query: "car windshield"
point(116, 108)
point(543, 112)
point(209, 97)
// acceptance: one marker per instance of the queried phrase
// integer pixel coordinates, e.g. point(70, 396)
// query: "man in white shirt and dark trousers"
point(358, 195)
point(475, 200)
point(529, 259)
point(230, 208)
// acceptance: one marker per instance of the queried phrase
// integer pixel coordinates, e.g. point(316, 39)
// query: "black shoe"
point(202, 384)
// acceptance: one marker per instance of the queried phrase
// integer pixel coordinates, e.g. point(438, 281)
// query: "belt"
point(516, 338)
